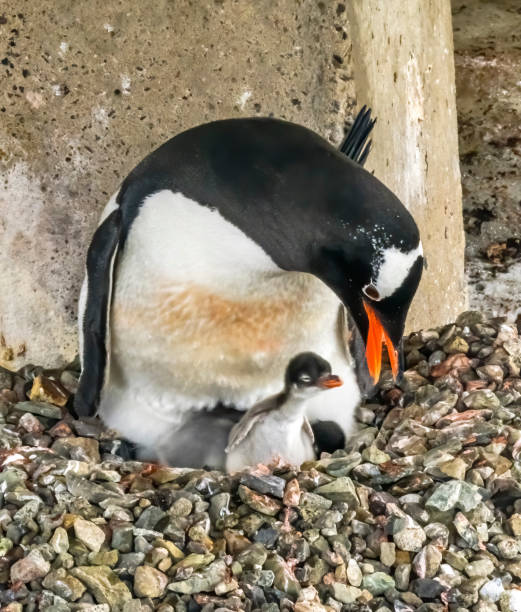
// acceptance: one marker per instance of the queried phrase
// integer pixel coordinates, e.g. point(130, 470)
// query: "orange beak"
point(373, 347)
point(329, 382)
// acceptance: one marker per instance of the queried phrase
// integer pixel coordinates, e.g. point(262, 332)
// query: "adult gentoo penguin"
point(228, 250)
point(277, 428)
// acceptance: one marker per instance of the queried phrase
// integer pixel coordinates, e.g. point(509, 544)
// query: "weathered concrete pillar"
point(404, 68)
point(88, 89)
point(487, 41)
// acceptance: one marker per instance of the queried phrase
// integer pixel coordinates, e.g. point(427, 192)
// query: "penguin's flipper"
point(95, 325)
point(241, 430)
point(355, 144)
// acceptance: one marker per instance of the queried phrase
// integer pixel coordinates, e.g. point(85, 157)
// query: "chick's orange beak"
point(329, 382)
point(373, 347)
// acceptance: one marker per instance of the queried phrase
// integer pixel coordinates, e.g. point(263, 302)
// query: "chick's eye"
point(304, 378)
point(371, 292)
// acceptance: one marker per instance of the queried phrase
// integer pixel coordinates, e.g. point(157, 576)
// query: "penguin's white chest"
point(201, 314)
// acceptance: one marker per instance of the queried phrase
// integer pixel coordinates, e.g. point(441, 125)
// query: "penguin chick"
point(277, 428)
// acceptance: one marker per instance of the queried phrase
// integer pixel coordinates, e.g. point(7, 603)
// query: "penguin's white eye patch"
point(304, 378)
point(371, 292)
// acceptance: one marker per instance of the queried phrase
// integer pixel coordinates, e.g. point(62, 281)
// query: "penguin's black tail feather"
point(355, 144)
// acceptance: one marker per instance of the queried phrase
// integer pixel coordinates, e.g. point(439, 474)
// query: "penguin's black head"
point(377, 286)
point(308, 371)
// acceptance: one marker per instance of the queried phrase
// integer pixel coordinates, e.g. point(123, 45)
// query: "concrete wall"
point(487, 39)
point(87, 89)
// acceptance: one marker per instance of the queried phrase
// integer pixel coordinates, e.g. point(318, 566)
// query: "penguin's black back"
point(275, 180)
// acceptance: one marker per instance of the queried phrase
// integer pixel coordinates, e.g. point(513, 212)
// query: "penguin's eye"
point(304, 378)
point(371, 292)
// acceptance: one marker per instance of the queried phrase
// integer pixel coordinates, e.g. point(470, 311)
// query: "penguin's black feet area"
point(125, 449)
point(328, 436)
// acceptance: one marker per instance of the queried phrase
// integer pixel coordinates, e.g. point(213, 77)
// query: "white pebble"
point(492, 590)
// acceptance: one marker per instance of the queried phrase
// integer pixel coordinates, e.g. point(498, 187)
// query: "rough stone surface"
point(395, 535)
point(82, 105)
point(89, 533)
point(487, 40)
point(149, 582)
point(104, 584)
point(411, 88)
point(30, 568)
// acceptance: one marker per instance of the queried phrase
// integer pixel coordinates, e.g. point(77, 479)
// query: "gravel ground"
point(421, 511)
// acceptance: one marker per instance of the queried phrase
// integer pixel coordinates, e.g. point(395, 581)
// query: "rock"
point(259, 502)
point(492, 590)
point(455, 363)
point(253, 557)
point(108, 557)
point(481, 399)
point(31, 567)
point(388, 553)
point(61, 430)
point(438, 533)
point(427, 562)
point(220, 506)
point(174, 551)
point(410, 539)
point(81, 449)
point(202, 580)
point(129, 562)
point(466, 531)
point(514, 524)
point(265, 483)
point(149, 582)
point(122, 537)
point(426, 588)
point(39, 408)
point(402, 575)
point(508, 548)
point(345, 594)
point(454, 494)
point(195, 561)
point(340, 490)
point(455, 468)
point(60, 541)
point(47, 390)
point(493, 373)
point(64, 585)
point(5, 546)
point(375, 455)
point(312, 506)
point(284, 578)
point(342, 466)
point(149, 518)
point(479, 568)
point(30, 423)
point(90, 534)
point(354, 574)
point(378, 583)
point(445, 504)
point(291, 493)
point(456, 345)
point(104, 584)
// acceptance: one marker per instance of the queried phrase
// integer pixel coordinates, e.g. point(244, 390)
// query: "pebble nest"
point(421, 511)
